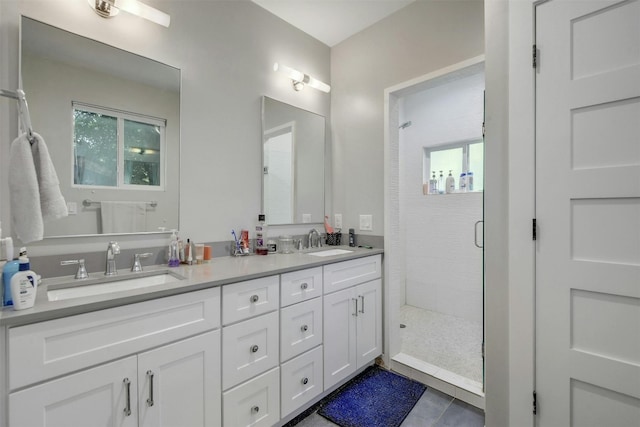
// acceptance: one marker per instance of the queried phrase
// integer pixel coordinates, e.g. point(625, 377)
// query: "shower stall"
point(434, 233)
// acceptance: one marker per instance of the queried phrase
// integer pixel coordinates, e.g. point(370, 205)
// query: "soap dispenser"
point(174, 256)
point(451, 183)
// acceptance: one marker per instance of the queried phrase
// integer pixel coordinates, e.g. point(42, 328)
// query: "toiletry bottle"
point(463, 182)
point(8, 270)
point(433, 184)
point(352, 237)
point(469, 181)
point(24, 285)
point(450, 184)
point(189, 252)
point(441, 183)
point(261, 232)
point(174, 257)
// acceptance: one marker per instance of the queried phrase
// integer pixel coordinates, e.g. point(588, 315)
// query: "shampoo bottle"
point(24, 285)
point(450, 184)
point(9, 269)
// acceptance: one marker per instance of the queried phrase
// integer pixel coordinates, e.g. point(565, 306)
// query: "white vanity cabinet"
point(352, 317)
point(136, 365)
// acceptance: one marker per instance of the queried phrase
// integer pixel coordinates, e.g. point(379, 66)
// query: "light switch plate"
point(337, 221)
point(72, 208)
point(366, 222)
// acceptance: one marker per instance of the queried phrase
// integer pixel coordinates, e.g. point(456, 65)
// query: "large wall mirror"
point(293, 147)
point(111, 121)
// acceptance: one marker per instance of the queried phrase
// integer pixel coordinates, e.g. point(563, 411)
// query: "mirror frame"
point(173, 158)
point(321, 179)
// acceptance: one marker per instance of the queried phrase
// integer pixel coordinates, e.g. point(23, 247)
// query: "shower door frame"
point(394, 270)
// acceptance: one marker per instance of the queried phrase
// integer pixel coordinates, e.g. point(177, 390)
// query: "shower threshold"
point(448, 382)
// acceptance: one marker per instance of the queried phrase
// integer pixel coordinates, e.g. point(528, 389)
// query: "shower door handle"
point(475, 235)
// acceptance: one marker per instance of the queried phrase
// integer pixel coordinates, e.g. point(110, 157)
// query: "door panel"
point(588, 211)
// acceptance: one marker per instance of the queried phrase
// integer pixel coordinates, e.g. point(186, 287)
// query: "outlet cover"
point(337, 221)
point(72, 208)
point(366, 222)
point(306, 218)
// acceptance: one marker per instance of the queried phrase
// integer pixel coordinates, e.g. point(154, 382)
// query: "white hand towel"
point(123, 217)
point(52, 203)
point(24, 193)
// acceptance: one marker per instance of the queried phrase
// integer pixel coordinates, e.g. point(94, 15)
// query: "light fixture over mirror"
point(110, 8)
point(301, 79)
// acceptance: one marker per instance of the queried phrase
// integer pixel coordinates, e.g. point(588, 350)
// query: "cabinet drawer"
point(255, 403)
point(48, 349)
point(249, 348)
point(243, 300)
point(299, 286)
point(300, 328)
point(301, 380)
point(344, 274)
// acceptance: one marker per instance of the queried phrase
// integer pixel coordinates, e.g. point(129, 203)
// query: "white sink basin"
point(108, 285)
point(330, 252)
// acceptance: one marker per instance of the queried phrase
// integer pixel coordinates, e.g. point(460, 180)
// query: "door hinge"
point(535, 402)
point(482, 349)
point(534, 56)
point(534, 229)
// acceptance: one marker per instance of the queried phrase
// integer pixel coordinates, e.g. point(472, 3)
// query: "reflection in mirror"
point(293, 147)
point(111, 121)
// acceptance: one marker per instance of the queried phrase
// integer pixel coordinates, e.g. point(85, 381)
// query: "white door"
point(179, 384)
point(369, 321)
point(339, 336)
point(588, 213)
point(104, 396)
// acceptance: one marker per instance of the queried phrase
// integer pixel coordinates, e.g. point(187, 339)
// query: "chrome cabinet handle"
point(255, 409)
point(304, 328)
point(304, 286)
point(305, 380)
point(254, 349)
point(362, 299)
point(150, 399)
point(127, 384)
point(254, 298)
point(475, 234)
point(356, 312)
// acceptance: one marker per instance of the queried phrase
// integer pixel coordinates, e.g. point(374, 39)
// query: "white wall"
point(443, 265)
point(422, 37)
point(226, 50)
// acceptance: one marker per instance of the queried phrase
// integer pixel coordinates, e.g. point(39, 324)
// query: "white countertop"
point(219, 271)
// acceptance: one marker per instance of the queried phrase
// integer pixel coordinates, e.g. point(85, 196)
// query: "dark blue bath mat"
point(377, 398)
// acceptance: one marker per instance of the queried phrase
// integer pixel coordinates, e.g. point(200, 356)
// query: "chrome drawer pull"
point(255, 409)
point(127, 384)
point(304, 328)
point(150, 399)
point(254, 349)
point(305, 380)
point(362, 299)
point(254, 298)
point(304, 286)
point(356, 312)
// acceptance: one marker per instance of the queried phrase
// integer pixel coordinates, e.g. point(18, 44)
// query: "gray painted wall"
point(420, 38)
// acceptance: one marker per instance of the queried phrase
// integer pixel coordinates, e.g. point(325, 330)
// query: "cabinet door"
point(179, 384)
point(97, 397)
point(369, 321)
point(339, 336)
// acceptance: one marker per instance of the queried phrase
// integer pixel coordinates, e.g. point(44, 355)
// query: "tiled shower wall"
point(443, 266)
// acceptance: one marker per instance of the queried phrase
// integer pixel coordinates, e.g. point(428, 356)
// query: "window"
point(458, 158)
point(116, 149)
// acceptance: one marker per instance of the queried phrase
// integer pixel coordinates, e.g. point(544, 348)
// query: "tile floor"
point(434, 409)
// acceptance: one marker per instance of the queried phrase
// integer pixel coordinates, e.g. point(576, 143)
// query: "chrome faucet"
point(81, 273)
point(113, 249)
point(137, 266)
point(310, 238)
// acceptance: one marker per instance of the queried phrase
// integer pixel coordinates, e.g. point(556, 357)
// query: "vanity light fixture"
point(300, 79)
point(109, 8)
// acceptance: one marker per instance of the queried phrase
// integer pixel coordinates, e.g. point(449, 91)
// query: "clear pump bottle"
point(451, 183)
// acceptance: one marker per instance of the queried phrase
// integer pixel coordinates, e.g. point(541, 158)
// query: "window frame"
point(121, 116)
point(464, 144)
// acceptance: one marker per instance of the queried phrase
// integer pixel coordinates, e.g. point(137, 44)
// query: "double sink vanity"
point(239, 341)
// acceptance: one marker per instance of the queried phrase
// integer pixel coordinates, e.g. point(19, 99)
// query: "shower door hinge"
point(534, 56)
point(534, 229)
point(535, 402)
point(482, 350)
